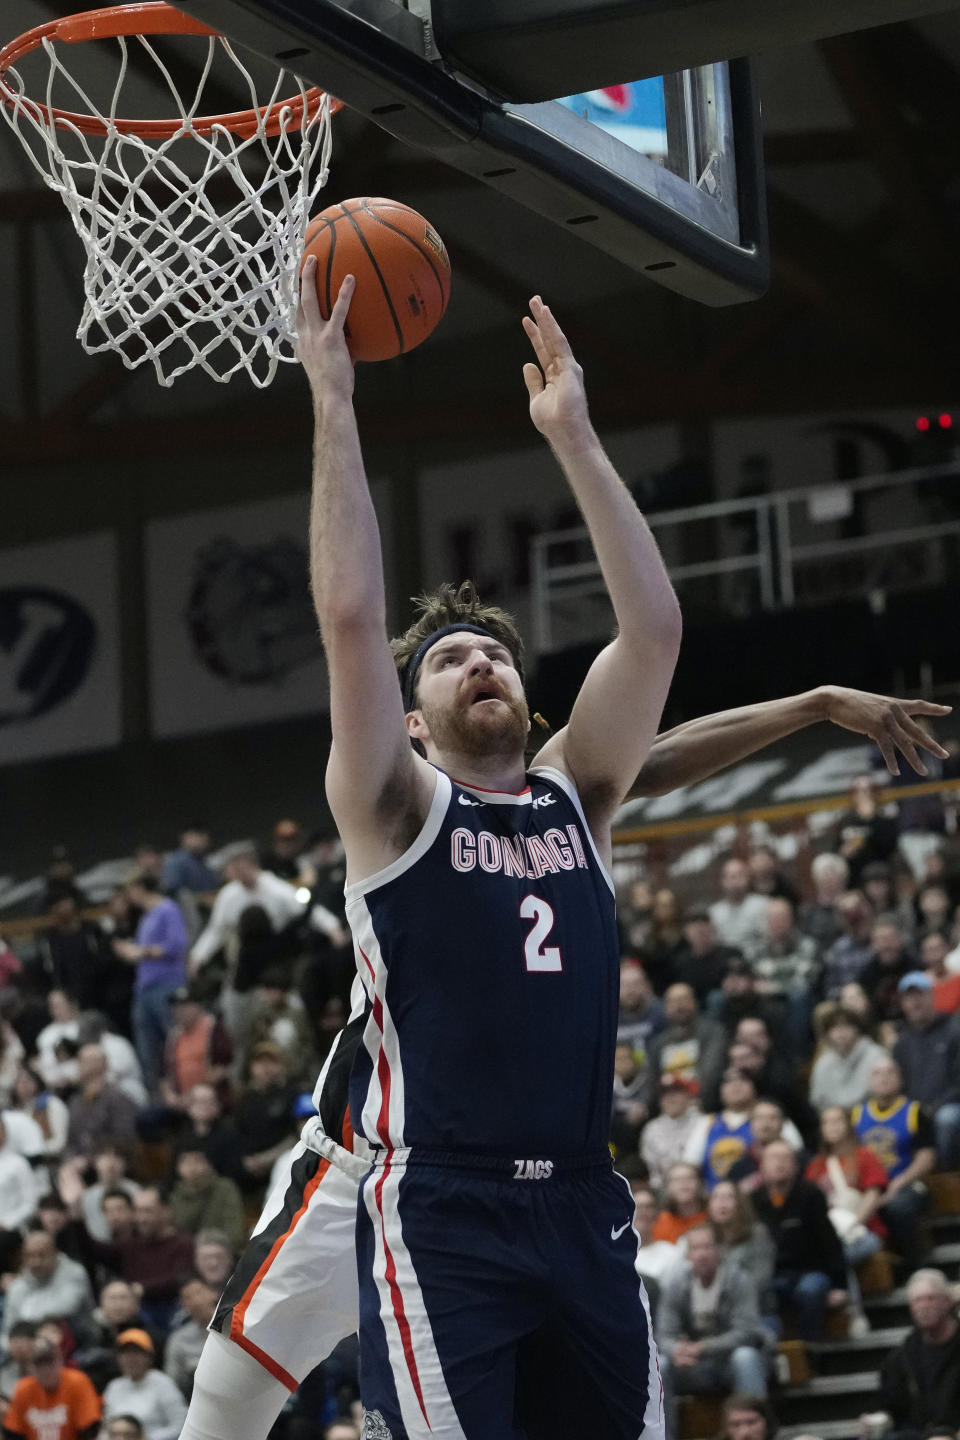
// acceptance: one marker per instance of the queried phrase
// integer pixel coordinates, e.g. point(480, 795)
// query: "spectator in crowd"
point(809, 1270)
point(743, 1239)
point(717, 1141)
point(933, 906)
point(50, 1286)
point(19, 1193)
point(772, 1073)
point(156, 1257)
point(864, 832)
point(630, 1086)
point(848, 957)
point(690, 1046)
point(98, 1110)
point(684, 1203)
point(830, 875)
point(198, 1050)
point(123, 1427)
point(934, 949)
point(247, 884)
point(118, 1310)
point(279, 1017)
point(739, 915)
point(708, 1326)
point(159, 951)
point(786, 966)
point(920, 1379)
point(877, 881)
point(142, 1391)
point(182, 1355)
point(902, 1138)
point(19, 1359)
point(263, 1116)
point(119, 1216)
point(664, 1138)
point(186, 868)
point(890, 959)
point(634, 916)
point(666, 936)
point(67, 1232)
point(701, 960)
point(641, 1014)
point(656, 1259)
point(110, 1163)
point(841, 1072)
point(64, 1025)
point(12, 1054)
point(853, 1181)
point(46, 1110)
point(768, 1121)
point(738, 999)
point(52, 1403)
point(284, 857)
point(72, 953)
point(206, 1126)
point(767, 877)
point(10, 964)
point(928, 1053)
point(203, 1200)
point(748, 1417)
point(123, 1067)
point(213, 1258)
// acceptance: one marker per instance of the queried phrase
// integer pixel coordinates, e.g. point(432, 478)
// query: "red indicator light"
point(923, 423)
point(945, 422)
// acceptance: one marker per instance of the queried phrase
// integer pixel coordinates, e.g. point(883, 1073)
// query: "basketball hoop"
point(193, 225)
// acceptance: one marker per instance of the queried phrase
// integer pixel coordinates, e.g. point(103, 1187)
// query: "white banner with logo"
point(59, 648)
point(233, 638)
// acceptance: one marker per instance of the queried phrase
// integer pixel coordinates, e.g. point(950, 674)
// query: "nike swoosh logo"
point(615, 1234)
point(465, 800)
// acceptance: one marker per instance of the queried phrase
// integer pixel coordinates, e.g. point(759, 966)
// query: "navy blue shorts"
point(498, 1303)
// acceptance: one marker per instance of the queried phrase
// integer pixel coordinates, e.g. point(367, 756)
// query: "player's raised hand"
point(888, 722)
point(321, 344)
point(558, 401)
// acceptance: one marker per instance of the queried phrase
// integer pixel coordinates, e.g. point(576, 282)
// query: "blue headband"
point(408, 676)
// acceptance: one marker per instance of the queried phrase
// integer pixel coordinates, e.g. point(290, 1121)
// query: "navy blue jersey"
point(490, 959)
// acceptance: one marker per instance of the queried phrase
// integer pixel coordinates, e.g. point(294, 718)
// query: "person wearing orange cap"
point(54, 1403)
point(140, 1390)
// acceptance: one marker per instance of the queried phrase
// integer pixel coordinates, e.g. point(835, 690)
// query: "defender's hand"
point(321, 344)
point(888, 722)
point(558, 401)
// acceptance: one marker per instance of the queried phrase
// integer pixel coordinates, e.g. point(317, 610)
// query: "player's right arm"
point(379, 789)
point(699, 748)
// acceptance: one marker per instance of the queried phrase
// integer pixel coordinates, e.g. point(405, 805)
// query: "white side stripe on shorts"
point(425, 1405)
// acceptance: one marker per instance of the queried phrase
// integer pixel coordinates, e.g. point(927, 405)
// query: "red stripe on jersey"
point(400, 1314)
point(383, 1064)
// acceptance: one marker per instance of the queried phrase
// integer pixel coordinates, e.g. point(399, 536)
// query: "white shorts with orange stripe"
point(293, 1296)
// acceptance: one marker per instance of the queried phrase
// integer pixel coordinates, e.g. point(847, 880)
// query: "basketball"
point(401, 267)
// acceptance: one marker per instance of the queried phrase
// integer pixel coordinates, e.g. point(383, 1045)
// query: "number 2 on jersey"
point(539, 957)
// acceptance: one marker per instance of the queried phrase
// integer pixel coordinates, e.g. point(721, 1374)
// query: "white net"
point(194, 237)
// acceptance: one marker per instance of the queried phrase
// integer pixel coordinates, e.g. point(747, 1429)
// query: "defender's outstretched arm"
point(699, 748)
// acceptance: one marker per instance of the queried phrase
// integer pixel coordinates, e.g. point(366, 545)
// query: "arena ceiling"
point(862, 138)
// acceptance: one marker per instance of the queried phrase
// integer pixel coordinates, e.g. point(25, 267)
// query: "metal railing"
point(783, 559)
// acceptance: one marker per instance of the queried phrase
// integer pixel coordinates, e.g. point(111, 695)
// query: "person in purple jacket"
point(159, 951)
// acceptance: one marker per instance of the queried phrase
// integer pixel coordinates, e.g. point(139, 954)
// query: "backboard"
point(664, 174)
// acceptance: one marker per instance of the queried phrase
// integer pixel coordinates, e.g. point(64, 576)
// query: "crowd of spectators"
point(787, 1080)
point(787, 1083)
point(157, 1058)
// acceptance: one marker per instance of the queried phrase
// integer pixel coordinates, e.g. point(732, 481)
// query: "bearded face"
point(479, 728)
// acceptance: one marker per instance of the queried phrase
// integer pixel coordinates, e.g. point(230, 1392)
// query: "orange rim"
point(152, 18)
